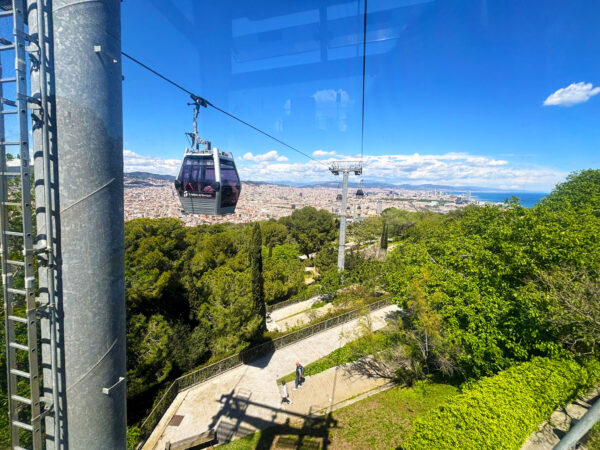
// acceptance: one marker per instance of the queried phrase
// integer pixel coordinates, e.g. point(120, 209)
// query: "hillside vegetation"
point(483, 288)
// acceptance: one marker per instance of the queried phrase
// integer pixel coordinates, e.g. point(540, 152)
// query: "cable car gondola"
point(208, 181)
point(359, 192)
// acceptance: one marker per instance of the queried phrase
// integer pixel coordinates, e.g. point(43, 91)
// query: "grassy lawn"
point(381, 421)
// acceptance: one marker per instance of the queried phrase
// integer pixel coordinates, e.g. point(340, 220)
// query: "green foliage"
point(311, 228)
point(258, 283)
point(581, 191)
point(478, 269)
point(326, 258)
point(283, 274)
point(274, 234)
point(383, 244)
point(148, 345)
point(501, 411)
point(134, 436)
point(366, 230)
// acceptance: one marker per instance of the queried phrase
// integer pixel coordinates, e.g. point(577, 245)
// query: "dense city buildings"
point(152, 198)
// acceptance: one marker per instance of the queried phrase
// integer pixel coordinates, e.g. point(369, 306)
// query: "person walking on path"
point(285, 396)
point(299, 375)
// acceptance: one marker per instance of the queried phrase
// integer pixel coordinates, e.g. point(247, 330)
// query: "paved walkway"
point(247, 398)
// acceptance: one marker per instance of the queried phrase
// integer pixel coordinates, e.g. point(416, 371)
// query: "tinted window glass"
point(196, 176)
point(230, 184)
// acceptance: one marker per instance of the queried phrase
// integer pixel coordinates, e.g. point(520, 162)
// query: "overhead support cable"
point(364, 65)
point(203, 102)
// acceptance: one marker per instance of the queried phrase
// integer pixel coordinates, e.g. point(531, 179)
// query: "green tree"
point(274, 234)
point(311, 228)
point(256, 267)
point(326, 258)
point(366, 230)
point(581, 190)
point(384, 237)
point(230, 313)
point(148, 357)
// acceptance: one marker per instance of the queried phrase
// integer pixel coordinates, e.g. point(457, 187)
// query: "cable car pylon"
point(345, 168)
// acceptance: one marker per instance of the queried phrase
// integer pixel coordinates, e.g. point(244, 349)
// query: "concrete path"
point(247, 398)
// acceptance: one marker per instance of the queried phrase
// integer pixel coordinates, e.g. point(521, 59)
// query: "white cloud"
point(269, 156)
point(571, 95)
point(321, 153)
point(332, 97)
point(287, 107)
point(331, 108)
point(134, 162)
point(456, 169)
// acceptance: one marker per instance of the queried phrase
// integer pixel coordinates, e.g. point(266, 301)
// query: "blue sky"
point(491, 93)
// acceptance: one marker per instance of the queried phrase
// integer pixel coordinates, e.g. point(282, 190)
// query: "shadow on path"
point(232, 421)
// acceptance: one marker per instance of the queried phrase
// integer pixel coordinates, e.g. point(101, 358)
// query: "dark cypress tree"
point(384, 237)
point(256, 265)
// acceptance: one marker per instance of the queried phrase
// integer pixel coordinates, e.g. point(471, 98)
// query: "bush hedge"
point(501, 411)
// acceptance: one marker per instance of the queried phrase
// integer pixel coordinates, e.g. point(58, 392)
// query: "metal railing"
point(206, 373)
point(292, 301)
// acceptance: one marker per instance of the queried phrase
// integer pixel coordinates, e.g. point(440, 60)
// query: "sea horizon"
point(527, 199)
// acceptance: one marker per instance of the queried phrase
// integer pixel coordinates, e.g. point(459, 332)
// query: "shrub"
point(501, 411)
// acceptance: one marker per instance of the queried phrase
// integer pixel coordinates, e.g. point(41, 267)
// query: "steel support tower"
point(72, 380)
point(345, 168)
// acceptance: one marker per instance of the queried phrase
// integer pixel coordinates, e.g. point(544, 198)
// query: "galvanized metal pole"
point(45, 190)
point(89, 141)
point(342, 238)
point(581, 428)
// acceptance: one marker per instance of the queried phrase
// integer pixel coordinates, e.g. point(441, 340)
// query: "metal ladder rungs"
point(18, 398)
point(8, 80)
point(17, 291)
point(10, 143)
point(6, 13)
point(15, 263)
point(10, 203)
point(7, 47)
point(25, 426)
point(18, 346)
point(6, 101)
point(9, 111)
point(10, 174)
point(20, 373)
point(19, 448)
point(18, 319)
point(13, 233)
